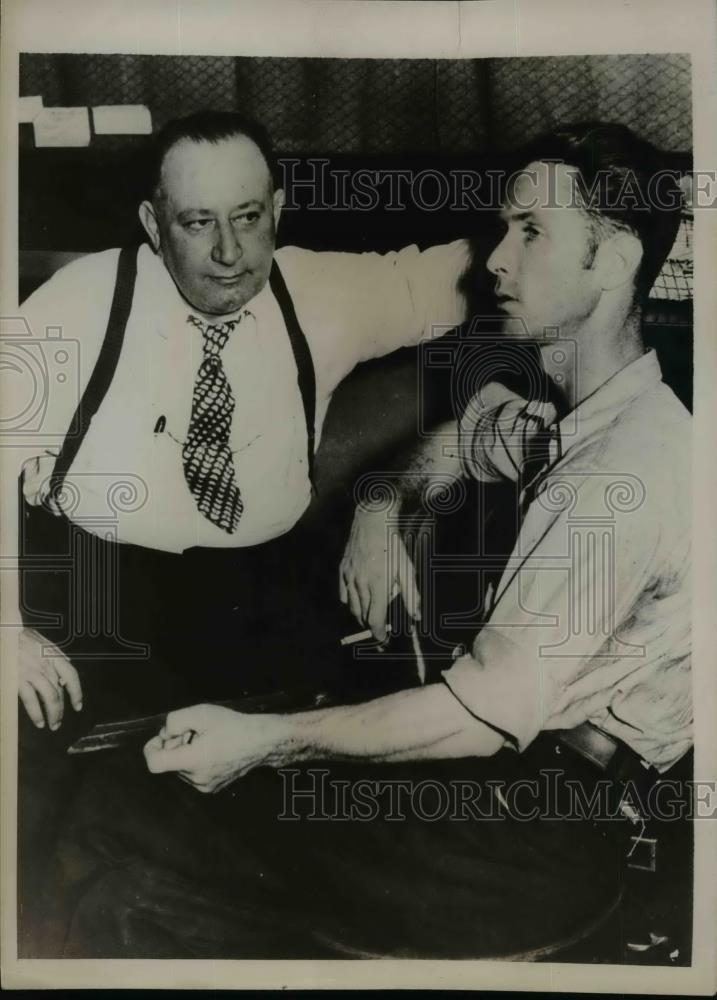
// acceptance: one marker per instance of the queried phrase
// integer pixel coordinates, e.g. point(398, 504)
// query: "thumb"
point(161, 759)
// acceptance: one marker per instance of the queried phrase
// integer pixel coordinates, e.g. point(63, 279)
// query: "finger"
point(51, 698)
point(354, 602)
point(181, 739)
point(180, 758)
point(377, 614)
point(407, 583)
point(343, 592)
point(174, 741)
point(193, 718)
point(30, 700)
point(364, 595)
point(151, 746)
point(71, 681)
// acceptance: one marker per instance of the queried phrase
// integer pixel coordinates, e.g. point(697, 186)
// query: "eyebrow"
point(207, 211)
point(509, 215)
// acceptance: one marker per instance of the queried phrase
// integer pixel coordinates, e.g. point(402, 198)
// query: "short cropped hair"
point(205, 126)
point(624, 183)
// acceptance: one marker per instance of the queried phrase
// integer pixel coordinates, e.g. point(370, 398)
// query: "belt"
point(590, 742)
point(608, 754)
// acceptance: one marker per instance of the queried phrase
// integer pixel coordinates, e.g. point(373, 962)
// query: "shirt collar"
point(599, 409)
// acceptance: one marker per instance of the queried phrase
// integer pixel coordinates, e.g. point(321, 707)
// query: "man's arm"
point(211, 746)
point(376, 564)
point(487, 446)
point(355, 307)
point(62, 324)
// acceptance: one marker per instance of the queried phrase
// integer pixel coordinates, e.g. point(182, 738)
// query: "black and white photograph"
point(356, 542)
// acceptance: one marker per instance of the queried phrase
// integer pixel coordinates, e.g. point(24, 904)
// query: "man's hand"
point(210, 746)
point(44, 675)
point(375, 567)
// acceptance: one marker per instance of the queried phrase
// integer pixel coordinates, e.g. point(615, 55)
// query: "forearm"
point(427, 464)
point(421, 724)
point(417, 724)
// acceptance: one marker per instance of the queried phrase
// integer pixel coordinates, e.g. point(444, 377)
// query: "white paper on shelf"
point(62, 127)
point(122, 119)
point(29, 109)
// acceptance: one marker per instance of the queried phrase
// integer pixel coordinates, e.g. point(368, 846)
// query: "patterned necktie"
point(208, 463)
point(536, 460)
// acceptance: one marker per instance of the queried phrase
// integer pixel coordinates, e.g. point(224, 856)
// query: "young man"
point(590, 624)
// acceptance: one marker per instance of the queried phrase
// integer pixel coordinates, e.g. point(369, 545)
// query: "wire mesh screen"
point(674, 281)
point(650, 93)
point(384, 105)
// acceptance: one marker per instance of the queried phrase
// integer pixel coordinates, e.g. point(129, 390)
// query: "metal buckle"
point(642, 856)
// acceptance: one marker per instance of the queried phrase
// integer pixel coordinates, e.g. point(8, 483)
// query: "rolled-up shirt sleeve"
point(495, 430)
point(551, 654)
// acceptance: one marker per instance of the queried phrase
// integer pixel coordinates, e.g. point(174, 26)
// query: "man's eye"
point(247, 219)
point(530, 232)
point(197, 225)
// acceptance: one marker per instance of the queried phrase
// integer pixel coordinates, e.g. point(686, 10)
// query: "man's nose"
point(498, 262)
point(227, 249)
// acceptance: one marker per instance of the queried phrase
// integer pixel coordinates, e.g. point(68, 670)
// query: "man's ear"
point(620, 256)
point(148, 218)
point(278, 205)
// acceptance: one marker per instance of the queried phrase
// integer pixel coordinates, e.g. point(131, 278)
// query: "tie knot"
point(215, 335)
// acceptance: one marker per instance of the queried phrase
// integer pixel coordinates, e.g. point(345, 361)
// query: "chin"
point(235, 298)
point(220, 306)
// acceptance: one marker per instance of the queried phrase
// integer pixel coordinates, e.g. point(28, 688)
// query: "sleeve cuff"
point(506, 698)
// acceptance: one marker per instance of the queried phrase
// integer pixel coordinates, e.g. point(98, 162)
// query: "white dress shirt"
point(592, 617)
point(127, 480)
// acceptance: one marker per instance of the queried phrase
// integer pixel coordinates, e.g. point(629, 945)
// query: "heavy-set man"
point(207, 362)
point(205, 387)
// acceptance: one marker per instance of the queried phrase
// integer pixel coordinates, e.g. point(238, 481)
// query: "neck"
point(592, 354)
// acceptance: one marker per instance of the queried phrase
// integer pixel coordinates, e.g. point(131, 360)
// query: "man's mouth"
point(505, 300)
point(228, 279)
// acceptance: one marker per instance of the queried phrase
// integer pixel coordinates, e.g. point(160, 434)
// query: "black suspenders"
point(104, 369)
point(306, 376)
point(106, 365)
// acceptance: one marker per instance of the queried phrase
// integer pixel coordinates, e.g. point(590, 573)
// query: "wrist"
point(293, 739)
point(374, 516)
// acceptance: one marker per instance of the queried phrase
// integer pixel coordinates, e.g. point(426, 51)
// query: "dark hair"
point(623, 181)
point(205, 126)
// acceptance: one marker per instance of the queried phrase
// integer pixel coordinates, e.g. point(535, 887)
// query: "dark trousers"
point(150, 631)
point(150, 868)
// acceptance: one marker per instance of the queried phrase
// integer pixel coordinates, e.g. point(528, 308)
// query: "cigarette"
point(349, 640)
